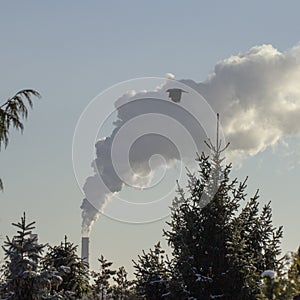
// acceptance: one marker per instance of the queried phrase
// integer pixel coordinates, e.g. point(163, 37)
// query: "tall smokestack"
point(85, 249)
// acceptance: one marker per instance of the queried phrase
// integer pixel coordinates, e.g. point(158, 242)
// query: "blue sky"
point(70, 51)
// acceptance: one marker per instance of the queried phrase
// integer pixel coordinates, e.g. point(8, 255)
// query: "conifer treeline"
point(224, 246)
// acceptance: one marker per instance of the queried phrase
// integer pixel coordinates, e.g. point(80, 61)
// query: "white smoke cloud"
point(258, 97)
point(256, 93)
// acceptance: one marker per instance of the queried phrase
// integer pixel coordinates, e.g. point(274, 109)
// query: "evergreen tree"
point(11, 114)
point(21, 270)
point(285, 284)
point(253, 249)
point(152, 274)
point(3, 286)
point(102, 288)
point(68, 266)
point(121, 289)
point(219, 248)
point(200, 228)
point(295, 269)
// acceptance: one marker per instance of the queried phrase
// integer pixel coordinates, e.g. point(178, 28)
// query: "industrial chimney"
point(85, 249)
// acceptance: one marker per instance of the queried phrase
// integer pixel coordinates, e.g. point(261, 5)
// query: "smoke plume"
point(258, 97)
point(256, 93)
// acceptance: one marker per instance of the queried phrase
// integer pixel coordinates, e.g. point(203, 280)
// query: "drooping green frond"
point(13, 111)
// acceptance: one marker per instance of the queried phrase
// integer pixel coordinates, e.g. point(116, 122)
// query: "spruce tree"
point(23, 279)
point(220, 246)
point(122, 287)
point(68, 266)
point(285, 284)
point(152, 274)
point(3, 285)
point(102, 288)
point(200, 227)
point(296, 266)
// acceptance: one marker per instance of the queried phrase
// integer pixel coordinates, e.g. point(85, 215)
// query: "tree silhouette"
point(151, 272)
point(12, 113)
point(70, 267)
point(221, 241)
point(22, 259)
point(102, 288)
